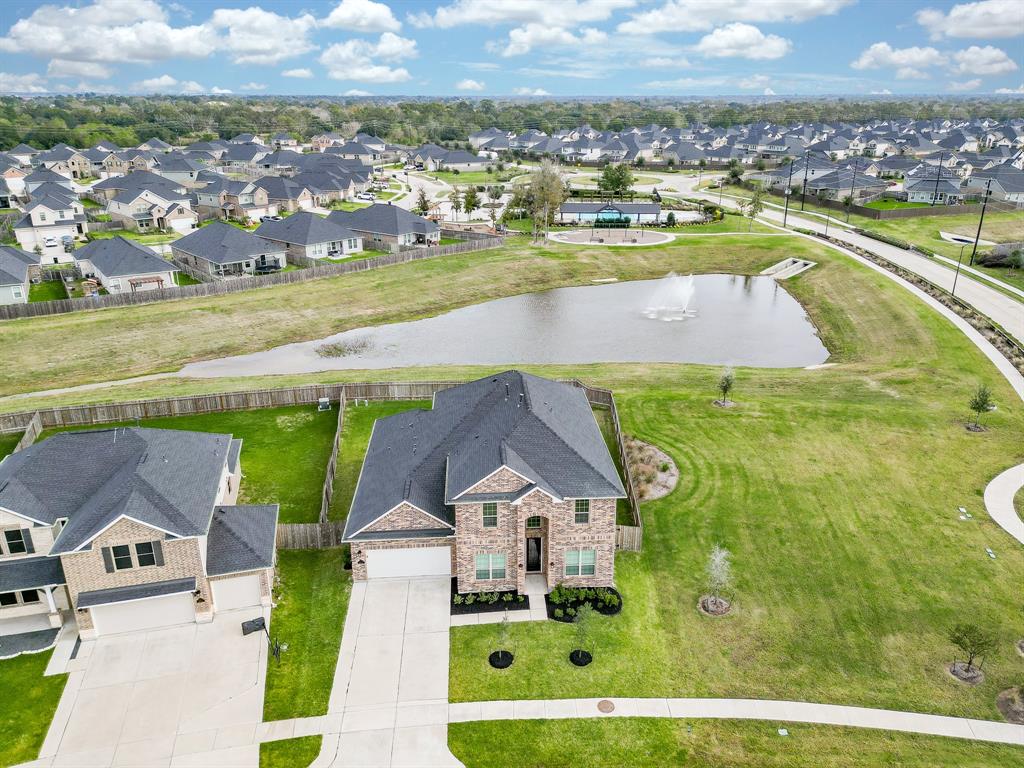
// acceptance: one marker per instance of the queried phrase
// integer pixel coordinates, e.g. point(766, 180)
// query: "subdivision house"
point(130, 529)
point(14, 274)
point(312, 236)
point(146, 209)
point(221, 250)
point(123, 266)
point(503, 477)
point(50, 222)
point(388, 227)
point(225, 198)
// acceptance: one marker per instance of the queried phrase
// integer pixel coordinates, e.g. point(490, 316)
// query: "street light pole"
point(803, 192)
point(788, 193)
point(984, 205)
point(938, 177)
point(957, 275)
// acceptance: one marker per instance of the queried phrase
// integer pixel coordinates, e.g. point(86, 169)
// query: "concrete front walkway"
point(743, 709)
point(999, 495)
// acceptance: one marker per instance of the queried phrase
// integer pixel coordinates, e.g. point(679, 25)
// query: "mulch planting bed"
point(575, 605)
point(1011, 704)
point(580, 658)
point(501, 659)
point(483, 606)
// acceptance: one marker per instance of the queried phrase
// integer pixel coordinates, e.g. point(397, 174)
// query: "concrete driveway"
point(183, 696)
point(391, 683)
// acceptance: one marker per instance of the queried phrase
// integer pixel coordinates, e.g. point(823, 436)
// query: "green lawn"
point(25, 718)
point(145, 238)
point(89, 203)
point(355, 436)
point(836, 491)
point(311, 602)
point(8, 442)
point(647, 742)
point(473, 177)
point(623, 516)
point(590, 180)
point(75, 289)
point(181, 278)
point(290, 753)
point(284, 453)
point(347, 205)
point(46, 290)
point(450, 240)
point(888, 204)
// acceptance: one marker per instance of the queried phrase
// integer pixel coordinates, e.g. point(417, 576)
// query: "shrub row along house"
point(503, 477)
point(130, 528)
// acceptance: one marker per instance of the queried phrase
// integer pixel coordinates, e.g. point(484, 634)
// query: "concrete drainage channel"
point(788, 268)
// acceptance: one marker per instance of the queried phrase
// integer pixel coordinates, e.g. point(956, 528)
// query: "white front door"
point(136, 615)
point(236, 592)
point(406, 563)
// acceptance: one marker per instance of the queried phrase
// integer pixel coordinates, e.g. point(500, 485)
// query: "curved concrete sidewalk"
point(743, 709)
point(999, 496)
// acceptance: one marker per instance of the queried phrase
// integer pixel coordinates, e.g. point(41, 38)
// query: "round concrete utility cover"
point(604, 706)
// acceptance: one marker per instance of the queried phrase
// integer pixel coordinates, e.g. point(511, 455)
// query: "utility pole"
point(853, 183)
point(957, 275)
point(789, 191)
point(803, 192)
point(984, 205)
point(938, 177)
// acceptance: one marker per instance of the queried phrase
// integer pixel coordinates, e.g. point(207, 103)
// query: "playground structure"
point(597, 235)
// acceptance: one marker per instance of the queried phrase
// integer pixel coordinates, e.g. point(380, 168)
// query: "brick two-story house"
point(130, 529)
point(503, 477)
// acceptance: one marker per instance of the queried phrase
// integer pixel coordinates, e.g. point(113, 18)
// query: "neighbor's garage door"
point(391, 563)
point(236, 592)
point(144, 614)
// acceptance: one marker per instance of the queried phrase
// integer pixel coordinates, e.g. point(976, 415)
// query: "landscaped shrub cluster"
point(884, 238)
point(486, 598)
point(566, 602)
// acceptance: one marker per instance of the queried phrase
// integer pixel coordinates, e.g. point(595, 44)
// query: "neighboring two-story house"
point(503, 477)
point(131, 529)
point(312, 236)
point(225, 198)
point(47, 225)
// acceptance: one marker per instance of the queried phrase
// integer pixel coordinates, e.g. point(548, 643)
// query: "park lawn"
point(474, 177)
point(643, 742)
point(284, 453)
point(1014, 277)
point(25, 717)
point(85, 347)
point(309, 614)
point(46, 290)
point(836, 493)
point(290, 753)
point(181, 278)
point(355, 437)
point(728, 223)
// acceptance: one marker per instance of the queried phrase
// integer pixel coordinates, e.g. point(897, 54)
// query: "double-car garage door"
point(408, 563)
point(152, 613)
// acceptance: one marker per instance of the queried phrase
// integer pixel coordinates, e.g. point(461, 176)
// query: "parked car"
point(270, 218)
point(50, 242)
point(367, 196)
point(409, 167)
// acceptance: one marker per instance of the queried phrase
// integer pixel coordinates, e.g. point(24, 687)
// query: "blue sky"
point(495, 48)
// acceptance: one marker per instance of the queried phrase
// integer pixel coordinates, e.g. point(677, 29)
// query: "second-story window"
point(490, 515)
point(582, 511)
point(15, 541)
point(144, 554)
point(122, 554)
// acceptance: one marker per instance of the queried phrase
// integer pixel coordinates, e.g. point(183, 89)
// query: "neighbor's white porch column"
point(49, 599)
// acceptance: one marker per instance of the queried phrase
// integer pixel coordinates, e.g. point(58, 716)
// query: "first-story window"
point(15, 541)
point(580, 562)
point(17, 292)
point(490, 566)
point(122, 556)
point(582, 511)
point(144, 553)
point(490, 514)
point(30, 596)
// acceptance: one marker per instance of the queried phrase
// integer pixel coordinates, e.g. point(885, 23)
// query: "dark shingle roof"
point(135, 592)
point(14, 264)
point(384, 219)
point(165, 478)
point(304, 228)
point(118, 256)
point(30, 573)
point(541, 429)
point(224, 244)
point(241, 539)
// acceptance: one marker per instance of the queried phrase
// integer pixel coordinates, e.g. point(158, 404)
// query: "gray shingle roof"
point(14, 264)
point(304, 228)
point(135, 592)
point(221, 243)
point(165, 478)
point(118, 257)
point(384, 219)
point(30, 573)
point(542, 429)
point(241, 538)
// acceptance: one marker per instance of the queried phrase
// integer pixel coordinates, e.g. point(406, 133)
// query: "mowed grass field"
point(25, 717)
point(284, 453)
point(84, 347)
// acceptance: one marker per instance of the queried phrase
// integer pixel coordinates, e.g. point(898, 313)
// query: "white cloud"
point(302, 72)
point(743, 41)
point(754, 82)
point(168, 84)
point(665, 62)
point(30, 83)
point(356, 92)
point(883, 92)
point(520, 12)
point(701, 15)
point(523, 39)
point(362, 16)
point(107, 31)
point(482, 66)
point(355, 59)
point(84, 87)
point(254, 86)
point(530, 92)
point(65, 68)
point(983, 61)
point(680, 84)
point(469, 85)
point(966, 85)
point(909, 63)
point(769, 92)
point(255, 36)
point(220, 91)
point(987, 19)
point(1011, 91)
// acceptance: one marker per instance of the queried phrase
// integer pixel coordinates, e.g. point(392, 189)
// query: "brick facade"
point(406, 517)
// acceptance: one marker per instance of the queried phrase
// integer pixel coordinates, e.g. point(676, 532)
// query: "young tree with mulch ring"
point(725, 385)
point(974, 642)
point(582, 654)
point(502, 658)
point(981, 402)
point(719, 574)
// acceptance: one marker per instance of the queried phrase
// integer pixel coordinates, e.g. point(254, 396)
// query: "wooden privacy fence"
point(332, 463)
point(220, 287)
point(309, 535)
point(32, 431)
point(629, 537)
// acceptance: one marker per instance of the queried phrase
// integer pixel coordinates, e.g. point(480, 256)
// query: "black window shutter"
point(158, 553)
point(26, 534)
point(108, 559)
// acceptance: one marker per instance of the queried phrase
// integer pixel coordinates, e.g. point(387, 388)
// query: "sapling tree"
point(470, 201)
point(670, 220)
point(456, 201)
point(981, 401)
point(725, 385)
point(754, 207)
point(972, 641)
point(584, 627)
point(719, 579)
point(504, 635)
point(422, 202)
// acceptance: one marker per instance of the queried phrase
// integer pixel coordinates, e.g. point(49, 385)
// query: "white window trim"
point(579, 561)
point(490, 566)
